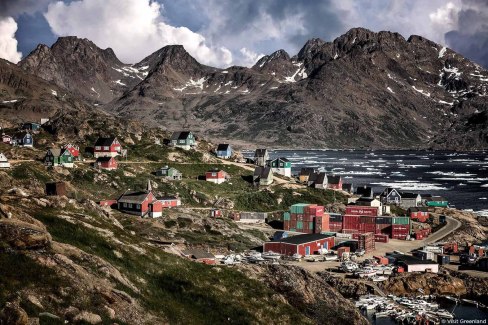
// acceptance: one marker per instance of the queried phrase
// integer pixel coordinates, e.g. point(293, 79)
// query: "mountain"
point(83, 68)
point(25, 97)
point(362, 90)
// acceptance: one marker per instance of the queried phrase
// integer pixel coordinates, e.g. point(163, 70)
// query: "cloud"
point(18, 7)
point(249, 57)
point(8, 43)
point(470, 37)
point(133, 28)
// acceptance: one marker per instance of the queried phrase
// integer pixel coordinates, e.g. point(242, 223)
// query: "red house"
point(306, 244)
point(216, 176)
point(6, 139)
point(334, 182)
point(420, 214)
point(75, 150)
point(107, 147)
point(141, 203)
point(108, 163)
point(169, 201)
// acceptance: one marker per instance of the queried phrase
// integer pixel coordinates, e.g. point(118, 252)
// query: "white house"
point(4, 161)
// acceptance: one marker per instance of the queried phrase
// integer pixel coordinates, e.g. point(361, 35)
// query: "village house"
point(140, 203)
point(169, 173)
point(409, 200)
point(4, 161)
point(261, 156)
point(414, 264)
point(23, 139)
point(74, 150)
point(200, 256)
point(107, 147)
point(437, 201)
point(307, 244)
point(31, 126)
point(334, 182)
point(365, 191)
point(58, 157)
point(263, 176)
point(281, 166)
point(317, 180)
point(420, 214)
point(170, 201)
point(390, 196)
point(216, 176)
point(373, 202)
point(348, 187)
point(184, 140)
point(6, 139)
point(305, 173)
point(107, 163)
point(224, 151)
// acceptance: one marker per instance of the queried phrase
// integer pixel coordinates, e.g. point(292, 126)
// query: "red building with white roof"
point(306, 244)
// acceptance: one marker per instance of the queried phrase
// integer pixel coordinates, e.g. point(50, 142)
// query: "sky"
point(222, 33)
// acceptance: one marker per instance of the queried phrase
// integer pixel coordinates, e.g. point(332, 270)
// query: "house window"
point(124, 204)
point(214, 174)
point(106, 148)
point(138, 206)
point(130, 205)
point(98, 148)
point(182, 141)
point(281, 164)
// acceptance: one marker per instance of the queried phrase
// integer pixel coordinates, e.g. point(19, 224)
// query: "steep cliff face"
point(429, 283)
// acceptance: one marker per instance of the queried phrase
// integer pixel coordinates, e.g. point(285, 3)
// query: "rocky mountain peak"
point(280, 55)
point(310, 48)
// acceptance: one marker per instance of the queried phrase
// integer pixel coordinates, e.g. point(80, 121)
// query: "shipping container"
point(401, 220)
point(344, 235)
point(383, 220)
point(335, 226)
point(355, 236)
point(334, 217)
point(443, 259)
point(298, 208)
point(381, 260)
point(350, 231)
point(350, 222)
point(342, 250)
point(383, 229)
point(361, 210)
point(286, 216)
point(424, 255)
point(380, 238)
point(299, 224)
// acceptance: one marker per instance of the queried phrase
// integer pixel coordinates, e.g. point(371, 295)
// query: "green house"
point(281, 166)
point(437, 201)
point(184, 140)
point(169, 173)
point(59, 157)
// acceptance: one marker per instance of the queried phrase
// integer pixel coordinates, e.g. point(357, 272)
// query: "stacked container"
point(400, 227)
point(335, 222)
point(383, 225)
point(381, 238)
point(366, 241)
point(342, 250)
point(357, 210)
point(306, 218)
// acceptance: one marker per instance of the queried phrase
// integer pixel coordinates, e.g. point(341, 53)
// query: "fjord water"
point(460, 177)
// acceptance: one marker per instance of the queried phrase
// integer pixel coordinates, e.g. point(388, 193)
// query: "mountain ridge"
point(362, 90)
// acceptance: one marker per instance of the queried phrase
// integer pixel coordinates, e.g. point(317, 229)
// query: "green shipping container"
point(310, 225)
point(400, 220)
point(293, 229)
point(286, 216)
point(298, 208)
point(329, 233)
point(299, 224)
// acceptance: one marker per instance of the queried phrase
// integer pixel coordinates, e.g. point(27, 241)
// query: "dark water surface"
point(460, 177)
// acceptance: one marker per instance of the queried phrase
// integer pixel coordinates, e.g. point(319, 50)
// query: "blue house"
point(224, 151)
point(23, 139)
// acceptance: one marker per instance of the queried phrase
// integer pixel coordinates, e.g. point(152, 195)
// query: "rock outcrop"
point(411, 284)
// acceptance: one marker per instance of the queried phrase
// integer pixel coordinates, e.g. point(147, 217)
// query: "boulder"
point(20, 235)
point(13, 314)
point(87, 317)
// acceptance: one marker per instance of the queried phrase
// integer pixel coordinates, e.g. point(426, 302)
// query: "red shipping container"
point(350, 222)
point(335, 226)
point(383, 228)
point(355, 236)
point(342, 250)
point(361, 210)
point(322, 223)
point(350, 231)
point(286, 225)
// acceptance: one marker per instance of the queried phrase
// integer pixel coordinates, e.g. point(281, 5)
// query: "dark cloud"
point(18, 7)
point(471, 36)
point(291, 21)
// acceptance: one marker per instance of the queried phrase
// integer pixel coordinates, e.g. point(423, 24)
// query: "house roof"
point(365, 199)
point(262, 172)
point(282, 159)
point(197, 253)
point(20, 135)
point(412, 260)
point(347, 186)
point(183, 135)
point(306, 171)
point(105, 142)
point(215, 170)
point(133, 197)
point(408, 195)
point(3, 157)
point(260, 152)
point(334, 179)
point(56, 152)
point(223, 147)
point(364, 190)
point(104, 159)
point(318, 178)
point(302, 239)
